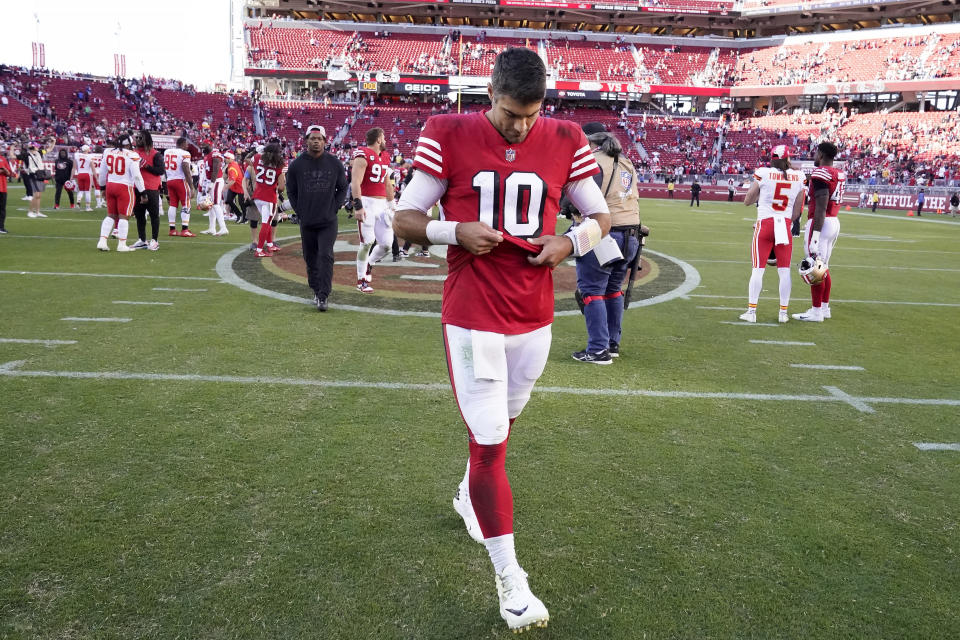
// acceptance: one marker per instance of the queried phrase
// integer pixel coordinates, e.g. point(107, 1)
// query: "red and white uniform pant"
point(120, 199)
point(83, 182)
point(177, 193)
point(377, 222)
point(764, 239)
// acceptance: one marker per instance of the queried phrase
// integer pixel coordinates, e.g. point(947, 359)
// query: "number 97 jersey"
point(376, 174)
point(514, 188)
point(779, 191)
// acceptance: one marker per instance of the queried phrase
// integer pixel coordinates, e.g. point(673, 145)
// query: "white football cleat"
point(463, 506)
point(518, 606)
point(813, 314)
point(825, 312)
point(749, 316)
point(783, 317)
point(153, 246)
point(123, 248)
point(102, 245)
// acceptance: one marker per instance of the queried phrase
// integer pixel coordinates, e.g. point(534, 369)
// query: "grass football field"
point(234, 465)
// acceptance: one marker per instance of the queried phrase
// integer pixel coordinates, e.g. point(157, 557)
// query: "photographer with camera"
point(601, 272)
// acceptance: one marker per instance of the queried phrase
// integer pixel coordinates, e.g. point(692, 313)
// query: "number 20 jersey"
point(515, 188)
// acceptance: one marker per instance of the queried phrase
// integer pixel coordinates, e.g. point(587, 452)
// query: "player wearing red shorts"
point(120, 175)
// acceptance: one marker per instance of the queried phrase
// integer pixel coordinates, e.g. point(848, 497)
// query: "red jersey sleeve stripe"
point(429, 153)
point(431, 142)
point(359, 154)
point(583, 160)
point(582, 150)
point(425, 163)
point(584, 171)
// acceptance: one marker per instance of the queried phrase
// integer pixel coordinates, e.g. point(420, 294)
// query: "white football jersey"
point(778, 191)
point(82, 161)
point(173, 163)
point(121, 166)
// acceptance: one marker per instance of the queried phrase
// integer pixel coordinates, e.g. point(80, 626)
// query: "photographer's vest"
point(619, 187)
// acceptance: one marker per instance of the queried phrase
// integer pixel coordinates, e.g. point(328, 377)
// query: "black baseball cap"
point(594, 127)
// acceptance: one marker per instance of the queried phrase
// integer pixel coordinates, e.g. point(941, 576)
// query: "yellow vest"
point(621, 200)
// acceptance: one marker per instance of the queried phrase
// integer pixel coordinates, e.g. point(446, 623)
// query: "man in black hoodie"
point(317, 187)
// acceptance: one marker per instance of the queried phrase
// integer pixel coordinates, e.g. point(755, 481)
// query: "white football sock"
point(362, 255)
point(502, 553)
point(106, 227)
point(185, 217)
point(172, 216)
point(785, 284)
point(122, 227)
point(377, 254)
point(221, 222)
point(756, 285)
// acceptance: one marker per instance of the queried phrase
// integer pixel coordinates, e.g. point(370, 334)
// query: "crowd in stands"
point(70, 110)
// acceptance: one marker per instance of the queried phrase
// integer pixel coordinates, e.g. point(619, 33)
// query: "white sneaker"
point(208, 232)
point(749, 316)
point(224, 232)
point(153, 245)
point(518, 606)
point(102, 245)
point(783, 317)
point(825, 312)
point(812, 314)
point(123, 248)
point(31, 214)
point(39, 215)
point(27, 198)
point(139, 244)
point(88, 209)
point(463, 506)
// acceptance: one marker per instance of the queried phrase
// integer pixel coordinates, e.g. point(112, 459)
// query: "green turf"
point(187, 509)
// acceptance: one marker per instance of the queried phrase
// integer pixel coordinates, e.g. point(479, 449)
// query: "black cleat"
point(600, 357)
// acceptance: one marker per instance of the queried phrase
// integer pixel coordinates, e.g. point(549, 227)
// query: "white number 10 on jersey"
point(508, 213)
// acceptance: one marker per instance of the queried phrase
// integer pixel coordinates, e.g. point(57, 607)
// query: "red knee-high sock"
point(490, 490)
point(263, 235)
point(826, 288)
point(816, 292)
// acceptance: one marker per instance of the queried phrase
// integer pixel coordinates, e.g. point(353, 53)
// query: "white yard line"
point(840, 266)
point(93, 241)
point(428, 278)
point(828, 367)
point(750, 324)
point(893, 302)
point(722, 308)
point(162, 304)
point(937, 446)
point(785, 343)
point(12, 369)
point(905, 218)
point(46, 343)
point(74, 319)
point(105, 275)
point(180, 290)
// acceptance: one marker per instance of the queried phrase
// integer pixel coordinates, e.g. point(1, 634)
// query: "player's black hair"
point(782, 164)
point(373, 135)
point(828, 150)
point(272, 156)
point(519, 74)
point(146, 139)
point(181, 141)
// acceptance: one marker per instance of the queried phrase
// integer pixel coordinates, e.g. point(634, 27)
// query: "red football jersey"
point(515, 188)
point(835, 179)
point(378, 170)
point(208, 164)
point(265, 181)
point(150, 181)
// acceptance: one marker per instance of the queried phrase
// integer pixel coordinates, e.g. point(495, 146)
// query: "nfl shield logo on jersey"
point(510, 154)
point(626, 179)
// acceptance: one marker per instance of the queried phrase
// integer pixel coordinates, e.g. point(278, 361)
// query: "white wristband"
point(442, 232)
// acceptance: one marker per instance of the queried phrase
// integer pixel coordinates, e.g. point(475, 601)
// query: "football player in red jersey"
point(268, 179)
point(823, 226)
point(372, 204)
point(499, 176)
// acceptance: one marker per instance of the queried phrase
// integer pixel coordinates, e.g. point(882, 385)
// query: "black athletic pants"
point(27, 180)
point(56, 196)
point(317, 243)
point(140, 210)
point(694, 196)
point(3, 209)
point(235, 203)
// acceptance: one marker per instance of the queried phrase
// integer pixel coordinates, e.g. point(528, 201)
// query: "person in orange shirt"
point(234, 186)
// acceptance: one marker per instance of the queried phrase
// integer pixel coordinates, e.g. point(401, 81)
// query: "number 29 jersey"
point(514, 188)
point(265, 181)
